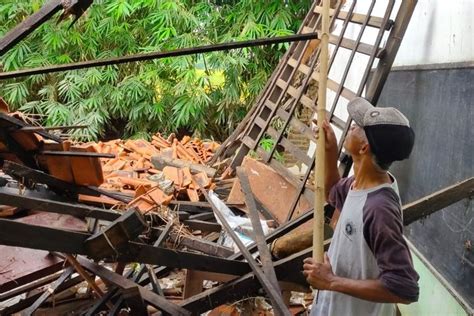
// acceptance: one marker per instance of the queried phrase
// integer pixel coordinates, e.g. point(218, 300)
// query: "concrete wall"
point(440, 107)
point(440, 31)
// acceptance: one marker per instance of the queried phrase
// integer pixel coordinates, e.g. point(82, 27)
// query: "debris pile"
point(154, 208)
point(158, 171)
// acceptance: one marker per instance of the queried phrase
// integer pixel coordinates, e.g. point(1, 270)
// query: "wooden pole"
point(318, 233)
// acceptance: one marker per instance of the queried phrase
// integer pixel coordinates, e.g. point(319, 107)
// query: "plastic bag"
point(242, 226)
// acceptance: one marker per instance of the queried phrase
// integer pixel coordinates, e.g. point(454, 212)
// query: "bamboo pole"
point(318, 229)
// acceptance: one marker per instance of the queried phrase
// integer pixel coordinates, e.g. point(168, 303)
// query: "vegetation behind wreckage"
point(206, 94)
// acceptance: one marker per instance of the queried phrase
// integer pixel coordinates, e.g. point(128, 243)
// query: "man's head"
point(383, 132)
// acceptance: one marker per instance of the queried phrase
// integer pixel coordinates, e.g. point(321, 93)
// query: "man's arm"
point(369, 290)
point(321, 277)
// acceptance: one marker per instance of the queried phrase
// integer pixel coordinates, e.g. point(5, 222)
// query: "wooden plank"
point(38, 237)
point(137, 252)
point(18, 171)
point(203, 225)
point(164, 234)
point(90, 280)
point(199, 244)
point(24, 303)
point(134, 301)
point(16, 124)
point(265, 255)
point(34, 129)
point(275, 297)
point(333, 85)
point(124, 283)
point(379, 76)
point(360, 47)
point(30, 286)
point(265, 212)
point(192, 284)
point(157, 55)
point(155, 284)
point(247, 286)
point(28, 200)
point(29, 25)
point(358, 18)
point(45, 238)
point(75, 154)
point(299, 154)
point(107, 243)
point(438, 200)
point(51, 289)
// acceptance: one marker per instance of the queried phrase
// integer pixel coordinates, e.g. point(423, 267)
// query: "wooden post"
point(318, 234)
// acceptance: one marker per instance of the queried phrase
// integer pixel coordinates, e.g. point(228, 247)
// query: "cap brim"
point(357, 109)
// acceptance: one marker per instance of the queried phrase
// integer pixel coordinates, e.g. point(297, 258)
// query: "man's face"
point(355, 140)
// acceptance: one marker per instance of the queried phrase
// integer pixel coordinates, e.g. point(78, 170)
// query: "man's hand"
point(331, 141)
point(319, 275)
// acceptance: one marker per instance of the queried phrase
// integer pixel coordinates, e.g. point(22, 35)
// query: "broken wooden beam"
point(90, 281)
point(21, 172)
point(202, 225)
point(34, 129)
point(264, 252)
point(280, 231)
point(18, 234)
point(199, 244)
point(109, 242)
point(134, 301)
point(161, 162)
point(274, 294)
point(45, 238)
point(50, 291)
point(288, 269)
point(29, 25)
point(151, 298)
point(76, 154)
point(25, 303)
point(32, 200)
point(438, 200)
point(412, 212)
point(12, 122)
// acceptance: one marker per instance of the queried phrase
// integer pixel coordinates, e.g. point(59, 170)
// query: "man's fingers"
point(308, 260)
point(308, 266)
point(326, 258)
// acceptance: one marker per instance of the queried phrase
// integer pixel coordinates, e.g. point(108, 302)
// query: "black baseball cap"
point(389, 133)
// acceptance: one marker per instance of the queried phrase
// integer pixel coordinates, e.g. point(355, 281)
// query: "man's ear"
point(364, 149)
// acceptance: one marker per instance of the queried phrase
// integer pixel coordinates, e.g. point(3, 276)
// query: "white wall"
point(440, 31)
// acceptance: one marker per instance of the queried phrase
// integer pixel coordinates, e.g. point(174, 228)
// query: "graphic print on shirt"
point(349, 229)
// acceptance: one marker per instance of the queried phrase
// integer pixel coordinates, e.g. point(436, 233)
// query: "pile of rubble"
point(155, 172)
point(125, 201)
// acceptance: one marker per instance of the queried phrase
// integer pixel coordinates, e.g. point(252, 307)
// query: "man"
point(368, 267)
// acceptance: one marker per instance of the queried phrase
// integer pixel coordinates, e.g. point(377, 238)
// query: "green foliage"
point(206, 94)
point(267, 143)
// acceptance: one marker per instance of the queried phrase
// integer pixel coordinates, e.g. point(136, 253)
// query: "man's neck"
point(368, 176)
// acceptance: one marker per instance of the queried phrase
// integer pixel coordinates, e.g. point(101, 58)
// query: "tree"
point(207, 94)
